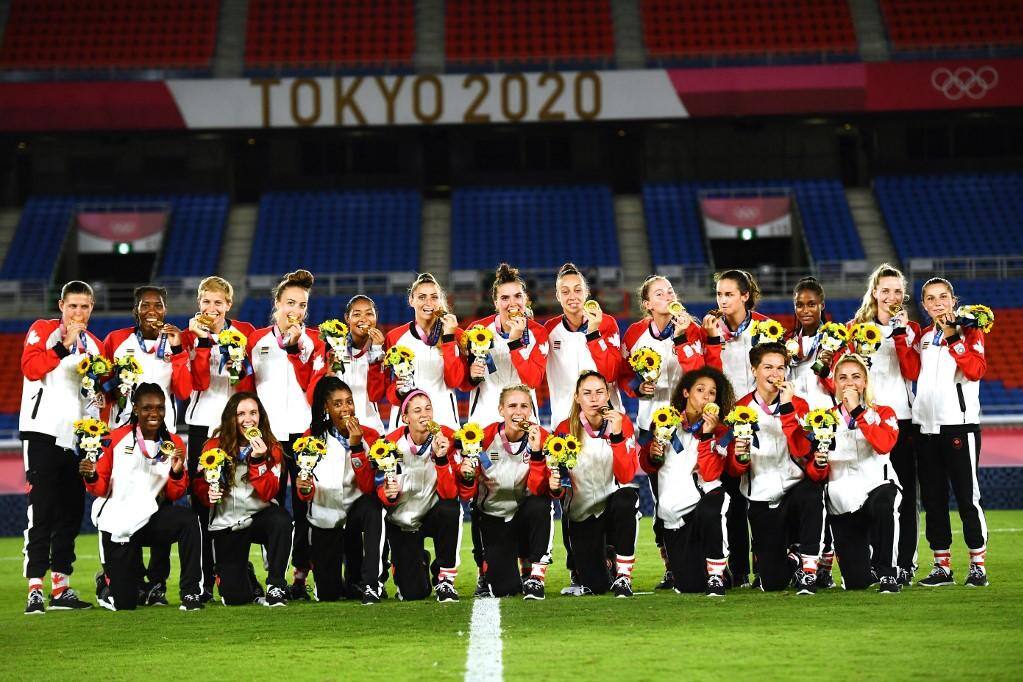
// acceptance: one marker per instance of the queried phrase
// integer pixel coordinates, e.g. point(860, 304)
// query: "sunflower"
point(572, 445)
point(333, 328)
point(819, 419)
point(93, 429)
point(381, 449)
point(982, 316)
point(770, 329)
point(83, 364)
point(300, 444)
point(666, 417)
point(79, 425)
point(397, 355)
point(741, 415)
point(480, 336)
point(100, 365)
point(839, 332)
point(645, 359)
point(315, 446)
point(556, 445)
point(212, 459)
point(470, 434)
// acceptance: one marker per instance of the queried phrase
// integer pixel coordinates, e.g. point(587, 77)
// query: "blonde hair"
point(512, 388)
point(868, 392)
point(867, 311)
point(217, 285)
point(644, 292)
point(575, 425)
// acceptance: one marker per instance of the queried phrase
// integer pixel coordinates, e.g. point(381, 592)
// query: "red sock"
point(716, 566)
point(977, 557)
point(943, 558)
point(60, 582)
point(35, 584)
point(624, 565)
point(539, 572)
point(447, 575)
point(300, 575)
point(827, 560)
point(809, 563)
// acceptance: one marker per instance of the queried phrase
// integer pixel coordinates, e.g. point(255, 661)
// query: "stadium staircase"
point(870, 34)
point(9, 218)
point(229, 58)
point(632, 240)
point(435, 244)
point(628, 30)
point(429, 54)
point(237, 247)
point(877, 242)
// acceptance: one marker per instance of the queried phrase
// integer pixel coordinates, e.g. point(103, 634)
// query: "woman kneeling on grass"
point(688, 465)
point(603, 503)
point(243, 508)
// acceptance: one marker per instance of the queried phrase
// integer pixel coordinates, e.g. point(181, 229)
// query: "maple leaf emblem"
point(32, 339)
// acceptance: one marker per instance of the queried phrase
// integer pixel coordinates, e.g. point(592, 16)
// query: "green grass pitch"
point(945, 633)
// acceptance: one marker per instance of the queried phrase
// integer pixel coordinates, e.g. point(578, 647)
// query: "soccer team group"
point(770, 454)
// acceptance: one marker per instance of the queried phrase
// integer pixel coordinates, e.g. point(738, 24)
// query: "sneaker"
point(825, 581)
point(483, 587)
point(35, 603)
point(667, 582)
point(276, 596)
point(257, 588)
point(937, 578)
point(191, 602)
point(299, 591)
point(206, 597)
point(157, 595)
point(101, 583)
point(533, 589)
point(622, 587)
point(144, 588)
point(755, 585)
point(977, 576)
point(905, 577)
point(369, 596)
point(807, 583)
point(574, 588)
point(715, 586)
point(445, 592)
point(68, 601)
point(889, 585)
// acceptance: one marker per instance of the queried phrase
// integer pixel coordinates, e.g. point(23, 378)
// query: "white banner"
point(348, 101)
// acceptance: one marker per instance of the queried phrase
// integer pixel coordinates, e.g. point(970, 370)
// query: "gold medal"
point(168, 448)
point(676, 309)
point(711, 408)
point(252, 433)
point(433, 427)
point(591, 306)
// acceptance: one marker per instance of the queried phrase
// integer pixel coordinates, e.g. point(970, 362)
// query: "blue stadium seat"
point(675, 227)
point(953, 215)
point(533, 227)
point(392, 309)
point(331, 232)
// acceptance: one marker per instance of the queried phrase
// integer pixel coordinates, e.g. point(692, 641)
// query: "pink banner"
point(746, 212)
point(122, 227)
point(960, 84)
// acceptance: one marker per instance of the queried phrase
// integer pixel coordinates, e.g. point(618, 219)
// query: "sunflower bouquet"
point(833, 337)
point(334, 332)
point(126, 375)
point(384, 456)
point(400, 360)
point(767, 331)
point(89, 434)
point(478, 341)
point(743, 422)
point(646, 362)
point(212, 462)
point(976, 316)
point(232, 354)
point(664, 422)
point(865, 338)
point(471, 438)
point(309, 450)
point(562, 453)
point(821, 426)
point(92, 369)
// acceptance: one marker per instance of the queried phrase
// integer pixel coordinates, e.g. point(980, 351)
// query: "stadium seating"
point(951, 25)
point(953, 215)
point(675, 226)
point(392, 309)
point(191, 244)
point(567, 32)
point(695, 31)
point(290, 35)
point(101, 35)
point(334, 232)
point(533, 227)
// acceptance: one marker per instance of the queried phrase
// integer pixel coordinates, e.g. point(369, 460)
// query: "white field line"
point(484, 662)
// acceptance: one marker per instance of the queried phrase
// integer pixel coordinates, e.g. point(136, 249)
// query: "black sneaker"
point(889, 585)
point(101, 583)
point(483, 587)
point(575, 588)
point(445, 592)
point(369, 596)
point(276, 596)
point(143, 599)
point(35, 603)
point(257, 588)
point(667, 582)
point(715, 586)
point(938, 578)
point(299, 591)
point(905, 577)
point(206, 597)
point(825, 581)
point(191, 602)
point(68, 601)
point(977, 576)
point(622, 587)
point(533, 589)
point(756, 584)
point(807, 583)
point(157, 595)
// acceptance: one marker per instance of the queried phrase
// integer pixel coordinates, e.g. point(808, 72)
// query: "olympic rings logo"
point(964, 81)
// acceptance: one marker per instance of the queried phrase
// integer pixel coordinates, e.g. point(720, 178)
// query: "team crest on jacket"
point(979, 347)
point(893, 423)
point(356, 463)
point(318, 363)
point(32, 339)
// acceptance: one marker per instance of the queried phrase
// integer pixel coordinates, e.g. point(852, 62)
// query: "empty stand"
point(328, 34)
point(392, 309)
point(533, 227)
point(337, 232)
point(938, 216)
point(83, 35)
point(747, 30)
point(943, 25)
point(528, 31)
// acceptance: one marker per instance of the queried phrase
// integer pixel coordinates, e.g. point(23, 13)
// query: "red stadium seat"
point(925, 24)
point(10, 372)
point(110, 34)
